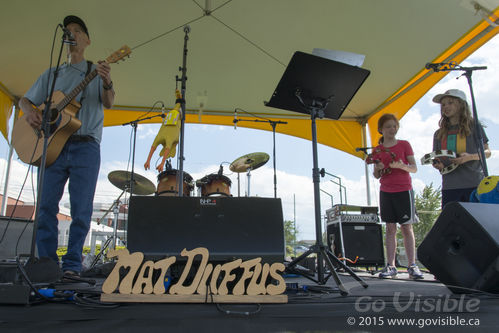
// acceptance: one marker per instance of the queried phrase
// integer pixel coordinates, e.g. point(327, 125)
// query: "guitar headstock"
point(116, 56)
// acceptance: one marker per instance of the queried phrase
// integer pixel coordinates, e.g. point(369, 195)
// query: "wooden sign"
point(209, 285)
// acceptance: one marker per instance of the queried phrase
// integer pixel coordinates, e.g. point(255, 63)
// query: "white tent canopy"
point(238, 51)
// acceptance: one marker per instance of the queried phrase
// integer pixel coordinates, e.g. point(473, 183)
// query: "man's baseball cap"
point(75, 19)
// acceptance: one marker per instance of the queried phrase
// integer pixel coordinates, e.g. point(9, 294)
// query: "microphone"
point(68, 36)
point(433, 66)
point(235, 119)
point(436, 66)
point(363, 149)
point(187, 29)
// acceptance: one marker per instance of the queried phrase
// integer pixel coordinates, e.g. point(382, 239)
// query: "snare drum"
point(214, 185)
point(167, 183)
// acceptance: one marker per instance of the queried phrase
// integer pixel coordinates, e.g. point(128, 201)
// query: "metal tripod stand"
point(306, 79)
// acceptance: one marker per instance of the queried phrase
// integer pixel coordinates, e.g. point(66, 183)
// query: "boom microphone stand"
point(309, 85)
point(134, 124)
point(468, 71)
point(272, 123)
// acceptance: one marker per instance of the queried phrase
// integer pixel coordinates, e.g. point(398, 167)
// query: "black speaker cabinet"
point(364, 240)
point(462, 250)
point(229, 227)
point(15, 236)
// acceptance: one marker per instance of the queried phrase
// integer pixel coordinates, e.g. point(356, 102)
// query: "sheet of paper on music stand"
point(349, 58)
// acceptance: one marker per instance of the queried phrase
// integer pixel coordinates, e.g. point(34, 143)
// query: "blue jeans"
point(79, 162)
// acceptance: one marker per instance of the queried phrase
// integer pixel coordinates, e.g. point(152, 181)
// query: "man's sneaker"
point(70, 276)
point(388, 272)
point(414, 272)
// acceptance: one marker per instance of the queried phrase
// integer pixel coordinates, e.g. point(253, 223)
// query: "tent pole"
point(366, 167)
point(5, 198)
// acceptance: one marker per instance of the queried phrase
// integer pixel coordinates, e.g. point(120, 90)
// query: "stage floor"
point(385, 305)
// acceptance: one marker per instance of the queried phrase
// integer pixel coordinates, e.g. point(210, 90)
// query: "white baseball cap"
point(451, 92)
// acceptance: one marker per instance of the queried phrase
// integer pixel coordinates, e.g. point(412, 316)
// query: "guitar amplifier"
point(352, 214)
point(363, 241)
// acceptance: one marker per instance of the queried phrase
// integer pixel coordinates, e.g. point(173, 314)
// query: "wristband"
point(109, 87)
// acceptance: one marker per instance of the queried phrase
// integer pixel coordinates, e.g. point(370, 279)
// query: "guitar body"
point(28, 142)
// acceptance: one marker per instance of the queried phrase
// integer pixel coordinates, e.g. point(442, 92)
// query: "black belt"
point(81, 138)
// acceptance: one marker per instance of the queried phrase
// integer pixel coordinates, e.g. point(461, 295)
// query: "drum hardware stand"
point(468, 71)
point(246, 163)
point(248, 174)
point(238, 186)
point(115, 207)
point(183, 69)
point(305, 80)
point(272, 123)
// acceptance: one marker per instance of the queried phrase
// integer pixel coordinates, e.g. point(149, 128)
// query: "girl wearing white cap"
point(456, 133)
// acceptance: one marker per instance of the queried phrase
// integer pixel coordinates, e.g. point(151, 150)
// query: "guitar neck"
point(69, 97)
point(113, 58)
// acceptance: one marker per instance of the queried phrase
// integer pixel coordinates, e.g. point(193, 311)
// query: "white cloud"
point(418, 131)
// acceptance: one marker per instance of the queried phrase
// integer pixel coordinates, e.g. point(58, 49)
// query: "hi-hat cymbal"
point(250, 161)
point(141, 185)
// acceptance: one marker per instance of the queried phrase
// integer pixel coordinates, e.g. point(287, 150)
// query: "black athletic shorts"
point(397, 207)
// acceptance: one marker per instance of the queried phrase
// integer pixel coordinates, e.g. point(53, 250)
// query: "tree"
point(290, 233)
point(428, 208)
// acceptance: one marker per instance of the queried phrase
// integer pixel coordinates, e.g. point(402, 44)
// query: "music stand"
point(322, 88)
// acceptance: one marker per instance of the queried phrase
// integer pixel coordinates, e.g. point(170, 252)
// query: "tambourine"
point(430, 157)
point(375, 157)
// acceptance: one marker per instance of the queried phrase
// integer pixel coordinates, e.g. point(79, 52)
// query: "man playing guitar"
point(79, 160)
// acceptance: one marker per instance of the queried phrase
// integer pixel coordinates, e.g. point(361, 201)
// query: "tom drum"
point(167, 183)
point(214, 185)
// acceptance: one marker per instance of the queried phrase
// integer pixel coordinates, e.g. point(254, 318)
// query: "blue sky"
point(207, 146)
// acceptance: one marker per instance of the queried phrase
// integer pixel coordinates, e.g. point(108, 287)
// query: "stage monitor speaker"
point(364, 240)
point(15, 237)
point(462, 250)
point(230, 228)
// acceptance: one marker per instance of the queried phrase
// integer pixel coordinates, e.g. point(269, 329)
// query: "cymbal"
point(250, 161)
point(141, 185)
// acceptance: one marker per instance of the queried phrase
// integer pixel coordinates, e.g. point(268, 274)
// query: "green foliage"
point(86, 250)
point(428, 207)
point(290, 233)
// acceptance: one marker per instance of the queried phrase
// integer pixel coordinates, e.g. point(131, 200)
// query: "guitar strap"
point(89, 68)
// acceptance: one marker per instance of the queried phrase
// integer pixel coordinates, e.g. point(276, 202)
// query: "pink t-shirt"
point(397, 180)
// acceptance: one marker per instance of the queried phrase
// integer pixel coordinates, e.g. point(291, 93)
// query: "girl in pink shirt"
point(394, 161)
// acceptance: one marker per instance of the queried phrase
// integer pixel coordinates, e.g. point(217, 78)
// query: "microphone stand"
point(272, 123)
point(41, 168)
point(468, 71)
point(134, 123)
point(183, 69)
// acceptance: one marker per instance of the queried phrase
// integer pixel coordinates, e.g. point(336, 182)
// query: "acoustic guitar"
point(28, 141)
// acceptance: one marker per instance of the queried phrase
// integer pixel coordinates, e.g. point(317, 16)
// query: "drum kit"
point(212, 185)
point(215, 184)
